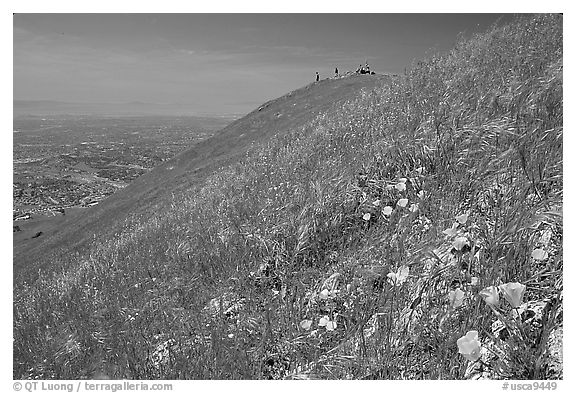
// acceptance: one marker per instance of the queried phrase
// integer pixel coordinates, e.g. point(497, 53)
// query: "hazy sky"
point(215, 63)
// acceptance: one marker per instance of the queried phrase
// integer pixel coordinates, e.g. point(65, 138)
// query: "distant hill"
point(47, 108)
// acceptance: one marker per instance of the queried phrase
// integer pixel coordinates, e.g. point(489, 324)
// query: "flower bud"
point(490, 295)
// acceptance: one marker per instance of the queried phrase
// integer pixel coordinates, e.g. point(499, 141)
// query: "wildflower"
point(539, 254)
point(331, 325)
point(324, 294)
point(460, 242)
point(306, 324)
point(456, 298)
point(451, 231)
point(490, 295)
point(366, 217)
point(402, 202)
point(326, 322)
point(474, 281)
point(400, 186)
point(469, 346)
point(421, 194)
point(231, 335)
point(387, 210)
point(462, 218)
point(400, 276)
point(376, 202)
point(513, 293)
point(413, 208)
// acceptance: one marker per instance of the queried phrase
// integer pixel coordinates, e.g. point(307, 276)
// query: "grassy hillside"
point(190, 169)
point(355, 243)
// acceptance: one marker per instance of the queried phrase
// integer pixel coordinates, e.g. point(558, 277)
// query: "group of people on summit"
point(362, 69)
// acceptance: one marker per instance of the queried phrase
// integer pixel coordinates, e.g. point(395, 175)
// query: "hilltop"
point(388, 228)
point(191, 167)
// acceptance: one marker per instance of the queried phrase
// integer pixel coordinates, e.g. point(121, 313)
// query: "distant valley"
point(64, 164)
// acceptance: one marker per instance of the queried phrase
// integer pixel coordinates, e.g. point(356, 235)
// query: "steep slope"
point(407, 233)
point(273, 118)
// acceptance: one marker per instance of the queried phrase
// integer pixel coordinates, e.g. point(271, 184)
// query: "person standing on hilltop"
point(336, 72)
point(317, 76)
point(367, 67)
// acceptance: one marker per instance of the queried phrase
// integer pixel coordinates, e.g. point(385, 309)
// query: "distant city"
point(67, 162)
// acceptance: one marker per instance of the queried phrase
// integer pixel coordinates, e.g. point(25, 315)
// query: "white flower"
point(451, 231)
point(469, 346)
point(402, 202)
point(513, 293)
point(400, 186)
point(326, 322)
point(387, 210)
point(400, 276)
point(539, 254)
point(413, 208)
point(366, 217)
point(330, 325)
point(306, 324)
point(490, 295)
point(456, 298)
point(462, 218)
point(460, 242)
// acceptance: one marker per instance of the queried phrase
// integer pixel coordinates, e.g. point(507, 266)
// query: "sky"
point(215, 63)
